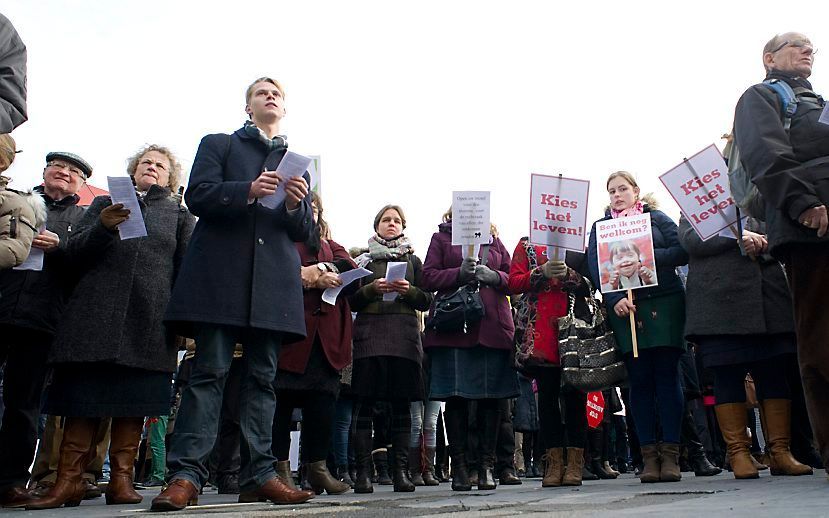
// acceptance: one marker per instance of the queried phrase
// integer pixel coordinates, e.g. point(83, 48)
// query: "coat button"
point(261, 241)
point(226, 199)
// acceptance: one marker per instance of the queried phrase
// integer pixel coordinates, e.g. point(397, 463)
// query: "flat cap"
point(82, 164)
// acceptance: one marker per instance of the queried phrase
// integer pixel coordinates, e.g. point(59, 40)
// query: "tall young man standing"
point(239, 283)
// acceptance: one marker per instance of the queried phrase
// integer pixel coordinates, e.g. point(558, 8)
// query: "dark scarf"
point(68, 201)
point(278, 143)
point(793, 81)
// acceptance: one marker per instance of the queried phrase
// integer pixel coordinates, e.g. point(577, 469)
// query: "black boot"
point(400, 462)
point(381, 464)
point(344, 476)
point(488, 420)
point(362, 452)
point(456, 421)
point(697, 460)
point(595, 439)
point(429, 477)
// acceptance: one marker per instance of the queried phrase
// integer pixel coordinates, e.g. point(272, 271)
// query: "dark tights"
point(769, 382)
point(401, 417)
point(317, 422)
point(550, 415)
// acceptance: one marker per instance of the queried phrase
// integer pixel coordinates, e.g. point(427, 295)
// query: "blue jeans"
point(197, 422)
point(343, 411)
point(655, 391)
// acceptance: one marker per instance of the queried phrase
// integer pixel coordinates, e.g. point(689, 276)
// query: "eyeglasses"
point(69, 168)
point(798, 44)
point(147, 162)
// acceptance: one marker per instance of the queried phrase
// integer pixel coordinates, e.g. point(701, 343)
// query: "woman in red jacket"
point(309, 371)
point(545, 284)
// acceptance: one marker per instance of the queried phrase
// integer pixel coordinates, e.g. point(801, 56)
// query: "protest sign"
point(625, 250)
point(558, 212)
point(470, 218)
point(700, 187)
point(595, 409)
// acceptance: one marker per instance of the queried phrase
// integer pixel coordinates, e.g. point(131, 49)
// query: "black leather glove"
point(486, 275)
point(467, 273)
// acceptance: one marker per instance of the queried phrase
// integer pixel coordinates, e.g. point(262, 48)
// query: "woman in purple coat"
point(475, 364)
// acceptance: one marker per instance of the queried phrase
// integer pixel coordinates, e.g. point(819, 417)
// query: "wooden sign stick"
point(471, 251)
point(633, 327)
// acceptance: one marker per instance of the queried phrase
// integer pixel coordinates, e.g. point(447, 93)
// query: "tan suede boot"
point(669, 463)
point(575, 463)
point(650, 457)
point(777, 418)
point(553, 467)
point(732, 421)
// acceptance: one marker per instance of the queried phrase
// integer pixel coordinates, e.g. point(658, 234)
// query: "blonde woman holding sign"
point(659, 317)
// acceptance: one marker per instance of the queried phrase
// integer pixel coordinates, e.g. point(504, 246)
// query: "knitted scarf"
point(276, 143)
point(634, 210)
point(383, 249)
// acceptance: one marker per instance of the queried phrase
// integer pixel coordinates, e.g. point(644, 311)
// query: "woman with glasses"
point(112, 356)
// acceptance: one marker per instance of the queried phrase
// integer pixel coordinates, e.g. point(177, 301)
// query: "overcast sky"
point(404, 101)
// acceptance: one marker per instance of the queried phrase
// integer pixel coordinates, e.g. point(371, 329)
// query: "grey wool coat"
point(115, 312)
point(728, 293)
point(242, 267)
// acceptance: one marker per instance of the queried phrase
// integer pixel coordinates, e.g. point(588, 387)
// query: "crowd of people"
point(187, 357)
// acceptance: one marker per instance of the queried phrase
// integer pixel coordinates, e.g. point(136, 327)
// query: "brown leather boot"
point(777, 417)
point(669, 462)
point(732, 421)
point(283, 471)
point(575, 463)
point(69, 489)
point(553, 467)
point(320, 479)
point(175, 497)
point(123, 450)
point(651, 470)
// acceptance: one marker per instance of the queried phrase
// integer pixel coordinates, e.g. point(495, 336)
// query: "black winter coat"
point(242, 267)
point(115, 313)
point(728, 293)
point(35, 300)
point(791, 169)
point(12, 77)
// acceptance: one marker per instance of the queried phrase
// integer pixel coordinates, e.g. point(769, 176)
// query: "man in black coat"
point(239, 283)
point(31, 303)
point(790, 167)
point(12, 77)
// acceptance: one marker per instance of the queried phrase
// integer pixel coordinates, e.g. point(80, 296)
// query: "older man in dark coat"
point(788, 160)
point(240, 283)
point(12, 77)
point(31, 304)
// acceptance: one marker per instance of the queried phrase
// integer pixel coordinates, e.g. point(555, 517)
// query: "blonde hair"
point(447, 217)
point(175, 165)
point(249, 91)
point(8, 150)
point(648, 198)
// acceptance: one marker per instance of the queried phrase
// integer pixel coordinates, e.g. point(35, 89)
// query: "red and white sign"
point(700, 187)
point(558, 211)
point(625, 253)
point(595, 409)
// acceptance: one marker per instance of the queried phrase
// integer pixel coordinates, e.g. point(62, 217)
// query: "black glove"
point(486, 275)
point(467, 273)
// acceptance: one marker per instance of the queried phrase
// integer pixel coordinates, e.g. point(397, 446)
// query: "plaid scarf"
point(277, 143)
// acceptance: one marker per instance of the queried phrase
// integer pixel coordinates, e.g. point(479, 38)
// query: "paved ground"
point(626, 496)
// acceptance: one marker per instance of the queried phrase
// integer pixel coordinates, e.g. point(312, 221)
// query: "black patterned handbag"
point(587, 348)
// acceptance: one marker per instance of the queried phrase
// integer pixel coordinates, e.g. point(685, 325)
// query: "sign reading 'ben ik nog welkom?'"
point(470, 217)
point(558, 211)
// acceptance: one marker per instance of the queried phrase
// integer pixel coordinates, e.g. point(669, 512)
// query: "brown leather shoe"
point(91, 490)
point(16, 497)
point(42, 488)
point(178, 495)
point(277, 492)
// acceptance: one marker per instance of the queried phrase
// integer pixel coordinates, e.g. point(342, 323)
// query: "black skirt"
point(722, 350)
point(319, 375)
point(107, 390)
point(387, 378)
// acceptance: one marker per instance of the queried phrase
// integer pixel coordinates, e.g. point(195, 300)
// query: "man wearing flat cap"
point(31, 303)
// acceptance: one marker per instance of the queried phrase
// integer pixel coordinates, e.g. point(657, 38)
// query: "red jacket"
point(552, 301)
point(331, 323)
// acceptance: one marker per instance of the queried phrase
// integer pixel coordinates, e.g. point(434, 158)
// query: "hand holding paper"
point(292, 166)
point(130, 223)
point(330, 295)
point(394, 272)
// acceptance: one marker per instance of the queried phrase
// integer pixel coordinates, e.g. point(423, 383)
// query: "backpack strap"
point(787, 98)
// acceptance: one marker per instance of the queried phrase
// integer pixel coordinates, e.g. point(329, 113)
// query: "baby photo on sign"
point(625, 250)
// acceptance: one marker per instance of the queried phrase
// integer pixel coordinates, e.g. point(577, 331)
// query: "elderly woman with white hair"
point(112, 355)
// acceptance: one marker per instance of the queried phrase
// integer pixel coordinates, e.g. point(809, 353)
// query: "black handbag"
point(457, 311)
point(590, 360)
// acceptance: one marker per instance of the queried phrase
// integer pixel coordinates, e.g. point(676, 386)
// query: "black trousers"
point(769, 382)
point(317, 423)
point(550, 399)
point(24, 352)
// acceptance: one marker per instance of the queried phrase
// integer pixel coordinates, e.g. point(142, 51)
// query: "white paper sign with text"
point(558, 211)
point(700, 187)
point(470, 217)
point(625, 253)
